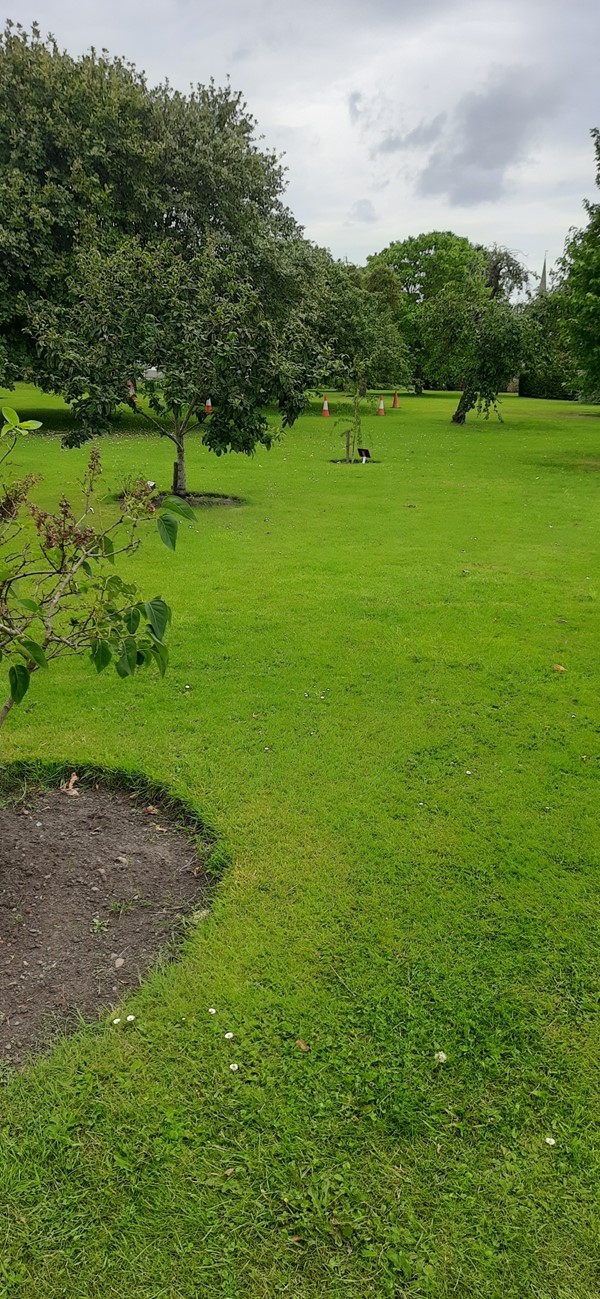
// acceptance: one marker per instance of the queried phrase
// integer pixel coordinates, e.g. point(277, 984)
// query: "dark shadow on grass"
point(573, 462)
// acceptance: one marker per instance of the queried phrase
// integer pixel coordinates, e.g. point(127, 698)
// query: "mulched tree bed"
point(94, 887)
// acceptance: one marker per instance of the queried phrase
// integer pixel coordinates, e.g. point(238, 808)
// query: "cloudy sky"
point(395, 116)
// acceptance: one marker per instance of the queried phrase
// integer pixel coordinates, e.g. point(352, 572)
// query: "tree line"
point(147, 258)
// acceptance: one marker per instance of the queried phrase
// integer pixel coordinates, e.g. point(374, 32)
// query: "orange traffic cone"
point(381, 409)
point(208, 407)
point(395, 403)
point(325, 410)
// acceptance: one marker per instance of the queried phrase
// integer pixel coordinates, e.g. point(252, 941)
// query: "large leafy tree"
point(473, 338)
point(581, 268)
point(89, 153)
point(423, 265)
point(209, 325)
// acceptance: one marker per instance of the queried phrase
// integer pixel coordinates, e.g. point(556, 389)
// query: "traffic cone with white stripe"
point(381, 408)
point(208, 407)
point(395, 403)
point(325, 410)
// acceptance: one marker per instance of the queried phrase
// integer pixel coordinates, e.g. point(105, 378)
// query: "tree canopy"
point(205, 326)
point(581, 270)
point(89, 153)
point(476, 339)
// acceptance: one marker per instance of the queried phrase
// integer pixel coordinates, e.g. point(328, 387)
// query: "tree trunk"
point(179, 479)
point(348, 435)
point(466, 403)
point(5, 710)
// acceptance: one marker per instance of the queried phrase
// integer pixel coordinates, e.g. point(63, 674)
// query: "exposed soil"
point(93, 887)
point(202, 500)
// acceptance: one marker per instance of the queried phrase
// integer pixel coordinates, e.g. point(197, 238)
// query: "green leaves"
point(26, 603)
point(167, 529)
point(127, 663)
point(100, 655)
point(19, 678)
point(177, 505)
point(12, 423)
point(131, 618)
point(34, 652)
point(159, 616)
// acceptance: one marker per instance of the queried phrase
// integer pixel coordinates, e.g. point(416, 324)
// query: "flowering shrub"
point(59, 593)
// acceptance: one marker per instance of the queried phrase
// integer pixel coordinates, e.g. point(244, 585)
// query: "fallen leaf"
point(584, 757)
point(302, 1045)
point(255, 715)
point(162, 828)
point(67, 787)
point(229, 1171)
point(152, 811)
point(297, 1240)
point(557, 667)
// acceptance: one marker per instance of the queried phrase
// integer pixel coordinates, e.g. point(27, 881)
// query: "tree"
point(89, 154)
point(361, 344)
point(212, 325)
point(505, 275)
point(549, 366)
point(60, 594)
point(477, 337)
point(424, 265)
point(581, 286)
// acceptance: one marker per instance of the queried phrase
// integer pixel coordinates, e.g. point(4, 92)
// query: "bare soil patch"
point(94, 887)
point(202, 500)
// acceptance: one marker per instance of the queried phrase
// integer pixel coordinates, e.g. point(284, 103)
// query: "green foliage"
point(427, 263)
point(473, 341)
point(216, 324)
point(73, 605)
point(549, 367)
point(361, 344)
point(90, 154)
point(449, 267)
point(581, 286)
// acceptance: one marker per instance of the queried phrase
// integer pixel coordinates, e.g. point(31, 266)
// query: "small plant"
point(120, 906)
point(59, 593)
point(99, 926)
point(351, 434)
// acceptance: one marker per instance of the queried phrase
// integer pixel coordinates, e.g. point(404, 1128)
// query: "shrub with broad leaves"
point(60, 594)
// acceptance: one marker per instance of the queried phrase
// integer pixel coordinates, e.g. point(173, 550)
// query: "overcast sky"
point(395, 116)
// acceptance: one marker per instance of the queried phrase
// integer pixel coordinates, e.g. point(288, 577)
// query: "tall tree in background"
point(476, 336)
point(549, 364)
point(581, 286)
point(422, 267)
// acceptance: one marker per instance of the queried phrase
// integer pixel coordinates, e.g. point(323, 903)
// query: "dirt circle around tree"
point(201, 500)
point(96, 888)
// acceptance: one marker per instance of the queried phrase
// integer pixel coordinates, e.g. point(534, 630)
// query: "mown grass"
point(407, 793)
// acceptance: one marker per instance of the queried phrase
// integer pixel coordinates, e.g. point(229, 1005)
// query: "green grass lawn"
point(408, 795)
